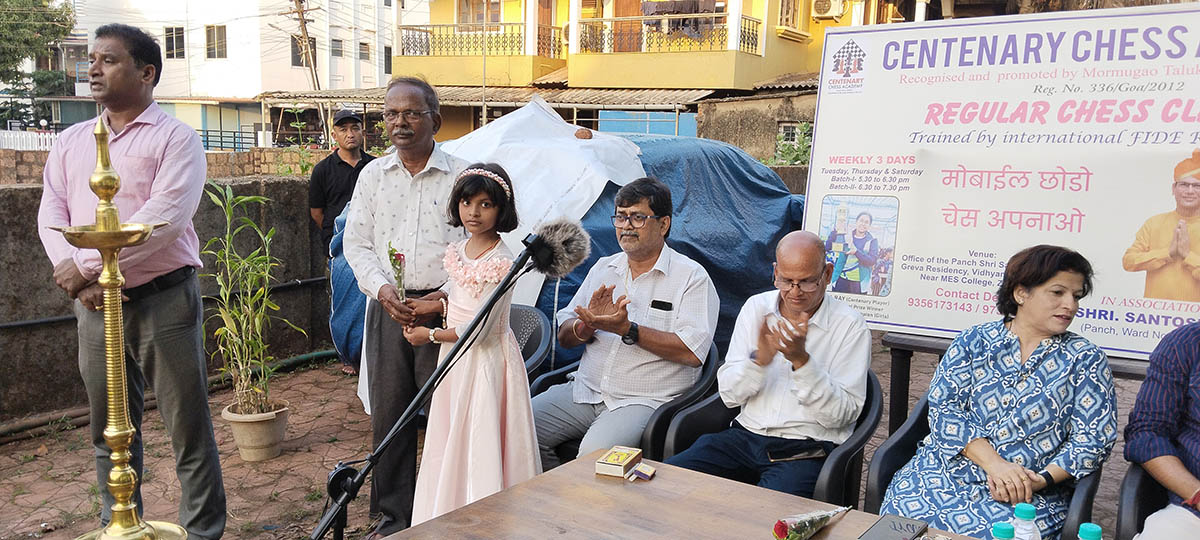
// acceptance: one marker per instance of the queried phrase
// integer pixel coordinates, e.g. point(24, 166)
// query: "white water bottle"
point(1024, 526)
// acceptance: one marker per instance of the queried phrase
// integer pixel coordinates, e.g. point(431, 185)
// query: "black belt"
point(160, 283)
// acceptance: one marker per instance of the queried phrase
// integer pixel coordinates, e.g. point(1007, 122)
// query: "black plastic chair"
point(656, 427)
point(1141, 495)
point(840, 475)
point(898, 449)
point(532, 329)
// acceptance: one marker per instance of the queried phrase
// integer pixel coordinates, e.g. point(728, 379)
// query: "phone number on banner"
point(952, 305)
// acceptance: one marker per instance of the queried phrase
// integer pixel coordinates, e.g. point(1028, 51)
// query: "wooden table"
point(572, 502)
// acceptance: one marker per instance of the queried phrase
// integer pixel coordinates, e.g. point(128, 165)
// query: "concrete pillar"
point(573, 15)
point(733, 8)
point(920, 10)
point(947, 9)
point(531, 27)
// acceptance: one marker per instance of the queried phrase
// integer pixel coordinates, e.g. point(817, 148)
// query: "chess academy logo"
point(846, 71)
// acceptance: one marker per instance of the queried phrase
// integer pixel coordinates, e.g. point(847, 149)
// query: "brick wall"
point(25, 166)
point(22, 166)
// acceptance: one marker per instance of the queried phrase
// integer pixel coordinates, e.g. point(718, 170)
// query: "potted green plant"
point(243, 312)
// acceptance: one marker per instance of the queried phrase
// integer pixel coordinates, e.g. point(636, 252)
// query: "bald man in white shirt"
point(797, 366)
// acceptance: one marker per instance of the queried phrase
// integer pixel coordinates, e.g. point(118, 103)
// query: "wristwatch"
point(631, 337)
point(1048, 478)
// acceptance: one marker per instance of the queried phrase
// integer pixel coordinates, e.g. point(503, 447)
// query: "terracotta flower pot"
point(258, 437)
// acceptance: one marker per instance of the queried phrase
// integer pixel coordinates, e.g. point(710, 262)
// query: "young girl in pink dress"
point(480, 437)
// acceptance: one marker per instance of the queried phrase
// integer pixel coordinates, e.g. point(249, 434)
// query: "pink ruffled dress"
point(480, 437)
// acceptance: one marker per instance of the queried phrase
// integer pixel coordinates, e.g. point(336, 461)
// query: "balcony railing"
point(666, 33)
point(748, 41)
point(501, 39)
point(550, 41)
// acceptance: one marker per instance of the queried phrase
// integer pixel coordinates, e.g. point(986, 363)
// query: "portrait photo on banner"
point(860, 241)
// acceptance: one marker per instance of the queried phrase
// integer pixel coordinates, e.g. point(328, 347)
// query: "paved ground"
point(48, 485)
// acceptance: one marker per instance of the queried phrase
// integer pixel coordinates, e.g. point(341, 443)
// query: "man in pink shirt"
point(162, 168)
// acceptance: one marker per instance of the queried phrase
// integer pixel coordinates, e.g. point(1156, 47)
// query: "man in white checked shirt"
point(643, 348)
point(797, 366)
point(400, 199)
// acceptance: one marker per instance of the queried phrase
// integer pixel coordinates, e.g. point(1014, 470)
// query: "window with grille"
point(335, 48)
point(299, 53)
point(788, 132)
point(173, 42)
point(387, 60)
point(214, 41)
point(364, 51)
point(473, 11)
point(789, 13)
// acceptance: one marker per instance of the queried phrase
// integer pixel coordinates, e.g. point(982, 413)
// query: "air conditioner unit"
point(827, 9)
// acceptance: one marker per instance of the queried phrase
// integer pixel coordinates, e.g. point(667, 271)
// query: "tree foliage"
point(29, 27)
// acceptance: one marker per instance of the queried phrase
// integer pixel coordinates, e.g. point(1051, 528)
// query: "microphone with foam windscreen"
point(558, 246)
point(555, 248)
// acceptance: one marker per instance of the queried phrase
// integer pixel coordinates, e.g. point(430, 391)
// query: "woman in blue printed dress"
point(1018, 407)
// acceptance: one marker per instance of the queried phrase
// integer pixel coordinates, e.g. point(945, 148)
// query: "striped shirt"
point(617, 374)
point(1165, 421)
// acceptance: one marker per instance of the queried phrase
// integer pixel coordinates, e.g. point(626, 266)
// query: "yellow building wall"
point(511, 11)
point(562, 14)
point(723, 69)
point(468, 70)
point(456, 122)
point(445, 11)
point(710, 69)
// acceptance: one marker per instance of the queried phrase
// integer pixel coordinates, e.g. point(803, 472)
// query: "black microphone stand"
point(345, 481)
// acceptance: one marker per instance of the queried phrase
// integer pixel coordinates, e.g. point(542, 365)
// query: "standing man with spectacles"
point(1167, 247)
point(797, 366)
point(400, 202)
point(647, 316)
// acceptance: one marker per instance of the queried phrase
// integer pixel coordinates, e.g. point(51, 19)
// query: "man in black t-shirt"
point(333, 179)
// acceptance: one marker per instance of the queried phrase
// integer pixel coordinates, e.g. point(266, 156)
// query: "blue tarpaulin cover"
point(729, 212)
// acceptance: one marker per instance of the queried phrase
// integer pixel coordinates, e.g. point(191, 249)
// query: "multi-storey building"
point(609, 48)
point(219, 55)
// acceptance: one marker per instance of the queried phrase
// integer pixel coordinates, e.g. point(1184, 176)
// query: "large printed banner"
point(941, 149)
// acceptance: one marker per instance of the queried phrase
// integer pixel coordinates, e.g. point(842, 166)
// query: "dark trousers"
point(396, 371)
point(163, 347)
point(738, 454)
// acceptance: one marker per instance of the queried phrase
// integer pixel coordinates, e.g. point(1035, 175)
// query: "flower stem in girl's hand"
point(397, 260)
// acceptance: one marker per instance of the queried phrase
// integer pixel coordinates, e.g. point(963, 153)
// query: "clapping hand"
point(786, 336)
point(602, 313)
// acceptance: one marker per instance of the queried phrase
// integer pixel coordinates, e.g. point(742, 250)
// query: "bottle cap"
point(1005, 531)
point(1025, 511)
point(1089, 531)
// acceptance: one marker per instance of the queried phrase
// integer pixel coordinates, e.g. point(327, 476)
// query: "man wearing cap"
point(1167, 247)
point(333, 179)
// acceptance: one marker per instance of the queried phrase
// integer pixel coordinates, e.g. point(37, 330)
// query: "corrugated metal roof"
point(554, 79)
point(790, 81)
point(473, 95)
